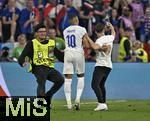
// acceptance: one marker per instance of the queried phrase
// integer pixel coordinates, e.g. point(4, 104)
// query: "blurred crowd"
point(131, 19)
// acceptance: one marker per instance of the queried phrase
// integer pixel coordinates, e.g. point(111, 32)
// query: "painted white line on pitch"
point(85, 103)
point(89, 103)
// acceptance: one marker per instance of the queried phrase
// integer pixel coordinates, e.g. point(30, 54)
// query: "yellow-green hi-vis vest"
point(43, 54)
point(122, 52)
point(144, 57)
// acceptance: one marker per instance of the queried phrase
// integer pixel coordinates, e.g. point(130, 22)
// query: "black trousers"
point(100, 75)
point(42, 74)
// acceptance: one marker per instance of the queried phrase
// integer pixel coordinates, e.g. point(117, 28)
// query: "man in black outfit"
point(41, 53)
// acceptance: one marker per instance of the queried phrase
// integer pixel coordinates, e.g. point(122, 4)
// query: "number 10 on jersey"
point(71, 41)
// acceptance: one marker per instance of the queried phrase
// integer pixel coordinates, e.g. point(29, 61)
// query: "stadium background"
point(126, 81)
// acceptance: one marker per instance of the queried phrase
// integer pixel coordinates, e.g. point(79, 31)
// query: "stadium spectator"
point(147, 49)
point(139, 54)
point(125, 22)
point(40, 7)
point(115, 22)
point(10, 21)
point(1, 35)
point(86, 15)
point(41, 53)
point(60, 43)
point(103, 46)
point(125, 51)
point(2, 5)
point(146, 3)
point(91, 12)
point(29, 18)
point(21, 4)
point(43, 2)
point(147, 24)
point(119, 5)
point(4, 56)
point(18, 50)
point(53, 12)
point(107, 8)
point(137, 12)
point(77, 4)
point(69, 9)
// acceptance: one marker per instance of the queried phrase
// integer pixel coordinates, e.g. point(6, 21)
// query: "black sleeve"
point(127, 47)
point(27, 51)
point(141, 53)
point(59, 55)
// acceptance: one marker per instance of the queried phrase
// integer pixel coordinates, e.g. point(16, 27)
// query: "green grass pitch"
point(119, 110)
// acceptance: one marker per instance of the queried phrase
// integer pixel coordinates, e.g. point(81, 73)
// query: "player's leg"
point(67, 89)
point(58, 81)
point(80, 69)
point(68, 72)
point(80, 87)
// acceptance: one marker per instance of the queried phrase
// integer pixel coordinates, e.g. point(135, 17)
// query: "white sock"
point(80, 87)
point(67, 90)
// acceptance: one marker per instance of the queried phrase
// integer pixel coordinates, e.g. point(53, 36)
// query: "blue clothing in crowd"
point(8, 14)
point(24, 16)
point(65, 20)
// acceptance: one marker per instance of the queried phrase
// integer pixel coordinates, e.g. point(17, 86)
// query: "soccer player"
point(75, 38)
point(103, 47)
point(41, 53)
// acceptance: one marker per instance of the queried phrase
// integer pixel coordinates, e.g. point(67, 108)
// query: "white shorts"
point(74, 62)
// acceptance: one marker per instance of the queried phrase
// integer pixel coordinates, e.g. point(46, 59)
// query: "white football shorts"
point(74, 62)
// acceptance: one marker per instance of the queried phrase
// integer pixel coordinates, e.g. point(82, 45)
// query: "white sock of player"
point(67, 90)
point(80, 87)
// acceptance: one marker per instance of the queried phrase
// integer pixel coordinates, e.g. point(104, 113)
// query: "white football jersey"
point(103, 59)
point(73, 38)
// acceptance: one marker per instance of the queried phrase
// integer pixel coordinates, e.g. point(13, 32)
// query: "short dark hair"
point(37, 27)
point(71, 16)
point(99, 27)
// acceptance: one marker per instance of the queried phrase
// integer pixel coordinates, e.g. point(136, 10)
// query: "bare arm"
point(85, 41)
point(112, 29)
point(106, 48)
point(92, 44)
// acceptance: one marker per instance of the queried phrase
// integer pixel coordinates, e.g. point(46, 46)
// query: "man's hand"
point(24, 64)
point(106, 48)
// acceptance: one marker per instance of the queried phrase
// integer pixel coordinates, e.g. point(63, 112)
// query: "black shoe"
point(77, 106)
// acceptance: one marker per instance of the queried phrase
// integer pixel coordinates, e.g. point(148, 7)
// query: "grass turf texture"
point(123, 110)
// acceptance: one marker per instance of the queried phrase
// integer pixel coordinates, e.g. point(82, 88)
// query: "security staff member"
point(42, 53)
point(139, 54)
point(125, 47)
